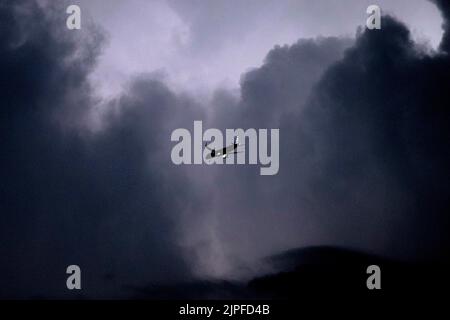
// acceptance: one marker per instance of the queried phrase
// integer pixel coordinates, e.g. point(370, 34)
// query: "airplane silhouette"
point(225, 151)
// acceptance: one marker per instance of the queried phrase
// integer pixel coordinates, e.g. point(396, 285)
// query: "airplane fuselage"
point(223, 152)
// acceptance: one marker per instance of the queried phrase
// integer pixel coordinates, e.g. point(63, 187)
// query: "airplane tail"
point(206, 146)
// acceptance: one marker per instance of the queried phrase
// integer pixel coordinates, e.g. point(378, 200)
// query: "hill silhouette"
point(315, 271)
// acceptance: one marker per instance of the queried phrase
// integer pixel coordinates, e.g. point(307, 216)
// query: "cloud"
point(257, 215)
point(376, 122)
point(364, 144)
point(104, 200)
point(363, 149)
point(445, 11)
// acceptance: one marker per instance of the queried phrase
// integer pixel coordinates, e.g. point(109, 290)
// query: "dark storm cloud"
point(280, 86)
point(256, 215)
point(363, 160)
point(102, 200)
point(363, 155)
point(380, 141)
point(444, 6)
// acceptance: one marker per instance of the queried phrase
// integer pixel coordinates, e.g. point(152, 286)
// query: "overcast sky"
point(363, 122)
point(200, 45)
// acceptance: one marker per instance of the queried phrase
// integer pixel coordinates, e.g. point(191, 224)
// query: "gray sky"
point(201, 45)
point(363, 139)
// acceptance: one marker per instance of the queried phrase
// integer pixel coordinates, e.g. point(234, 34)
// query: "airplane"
point(225, 151)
